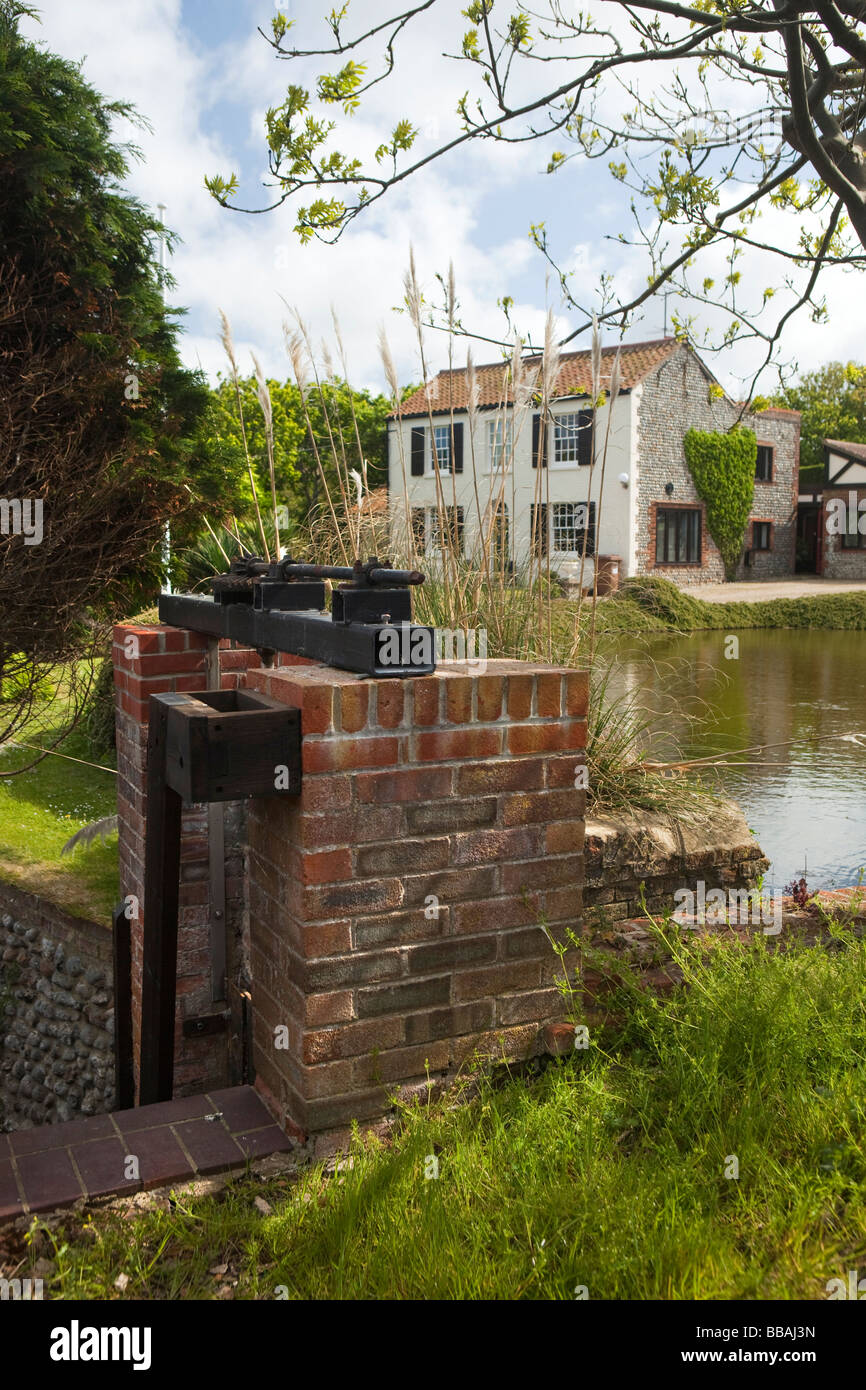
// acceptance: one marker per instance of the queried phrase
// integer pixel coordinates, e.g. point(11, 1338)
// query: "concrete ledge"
point(665, 854)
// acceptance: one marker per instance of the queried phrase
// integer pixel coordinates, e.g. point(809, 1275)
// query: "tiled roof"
point(450, 389)
point(841, 446)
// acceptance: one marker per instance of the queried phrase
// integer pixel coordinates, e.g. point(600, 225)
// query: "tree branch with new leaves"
point(652, 90)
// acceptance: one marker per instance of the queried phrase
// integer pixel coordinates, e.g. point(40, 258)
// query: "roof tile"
point(450, 389)
point(843, 446)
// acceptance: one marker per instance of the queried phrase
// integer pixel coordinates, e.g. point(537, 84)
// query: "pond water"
point(802, 695)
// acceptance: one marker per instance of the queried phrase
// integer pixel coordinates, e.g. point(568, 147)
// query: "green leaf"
point(221, 188)
point(342, 86)
point(280, 26)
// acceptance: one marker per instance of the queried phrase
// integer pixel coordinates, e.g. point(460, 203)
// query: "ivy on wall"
point(723, 468)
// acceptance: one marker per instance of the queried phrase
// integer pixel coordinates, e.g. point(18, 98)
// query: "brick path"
point(56, 1165)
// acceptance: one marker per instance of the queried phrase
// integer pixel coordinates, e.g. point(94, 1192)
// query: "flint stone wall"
point(57, 1019)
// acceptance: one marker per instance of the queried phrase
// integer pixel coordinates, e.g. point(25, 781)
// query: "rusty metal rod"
point(359, 573)
point(377, 575)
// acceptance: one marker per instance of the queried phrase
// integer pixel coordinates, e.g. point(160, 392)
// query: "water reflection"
point(800, 694)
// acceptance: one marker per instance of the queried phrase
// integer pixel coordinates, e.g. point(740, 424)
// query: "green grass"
point(41, 808)
point(604, 1170)
point(649, 604)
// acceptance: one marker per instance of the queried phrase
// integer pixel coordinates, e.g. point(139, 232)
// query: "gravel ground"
point(758, 590)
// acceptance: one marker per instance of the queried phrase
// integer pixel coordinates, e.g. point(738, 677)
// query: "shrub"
point(723, 467)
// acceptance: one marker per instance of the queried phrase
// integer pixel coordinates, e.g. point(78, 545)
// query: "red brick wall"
point(173, 660)
point(457, 786)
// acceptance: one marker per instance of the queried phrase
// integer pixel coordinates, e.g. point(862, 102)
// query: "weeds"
point(608, 1168)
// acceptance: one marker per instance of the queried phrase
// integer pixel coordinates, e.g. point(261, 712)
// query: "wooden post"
point(124, 1074)
point(216, 858)
point(161, 894)
point(213, 745)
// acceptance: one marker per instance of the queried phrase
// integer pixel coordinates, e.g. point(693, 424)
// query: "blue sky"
point(203, 77)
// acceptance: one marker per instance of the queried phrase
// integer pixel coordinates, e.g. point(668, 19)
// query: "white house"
point(498, 470)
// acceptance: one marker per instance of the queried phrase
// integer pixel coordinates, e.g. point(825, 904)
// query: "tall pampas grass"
point(229, 349)
point(266, 405)
point(307, 378)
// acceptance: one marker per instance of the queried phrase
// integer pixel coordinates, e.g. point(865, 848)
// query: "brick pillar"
point(395, 906)
point(169, 659)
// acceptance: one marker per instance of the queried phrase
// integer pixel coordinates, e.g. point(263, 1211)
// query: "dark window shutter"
point(457, 447)
point(538, 527)
point(590, 538)
point(539, 441)
point(385, 456)
point(584, 439)
point(418, 433)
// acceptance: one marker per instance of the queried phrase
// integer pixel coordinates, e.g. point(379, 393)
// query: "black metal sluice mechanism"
point(277, 606)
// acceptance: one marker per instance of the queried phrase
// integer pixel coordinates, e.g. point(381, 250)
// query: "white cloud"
point(242, 264)
point(206, 99)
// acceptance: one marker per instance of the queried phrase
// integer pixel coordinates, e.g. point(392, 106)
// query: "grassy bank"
point(43, 807)
point(610, 1170)
point(647, 604)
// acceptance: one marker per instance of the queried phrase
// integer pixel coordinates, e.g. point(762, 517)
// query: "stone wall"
point(840, 563)
point(674, 399)
point(57, 1025)
point(776, 501)
point(623, 852)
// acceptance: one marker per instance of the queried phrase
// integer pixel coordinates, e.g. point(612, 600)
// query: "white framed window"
point(574, 526)
point(453, 528)
point(572, 438)
point(500, 442)
point(442, 447)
